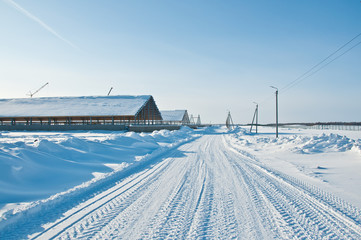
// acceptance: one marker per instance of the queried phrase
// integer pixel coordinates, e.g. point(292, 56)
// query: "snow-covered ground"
point(330, 159)
point(37, 165)
point(208, 183)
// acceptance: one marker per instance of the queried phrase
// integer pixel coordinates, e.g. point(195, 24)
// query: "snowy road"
point(207, 188)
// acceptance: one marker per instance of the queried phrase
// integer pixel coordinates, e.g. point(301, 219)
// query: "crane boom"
point(32, 94)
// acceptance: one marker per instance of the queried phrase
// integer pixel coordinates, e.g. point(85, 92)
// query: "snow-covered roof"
point(72, 106)
point(173, 115)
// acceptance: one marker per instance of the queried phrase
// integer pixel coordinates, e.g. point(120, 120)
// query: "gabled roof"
point(73, 106)
point(173, 115)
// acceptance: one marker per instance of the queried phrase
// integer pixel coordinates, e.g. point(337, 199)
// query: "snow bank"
point(302, 144)
point(325, 158)
point(37, 165)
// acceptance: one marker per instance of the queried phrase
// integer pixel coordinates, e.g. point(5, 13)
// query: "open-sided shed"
point(85, 110)
point(179, 117)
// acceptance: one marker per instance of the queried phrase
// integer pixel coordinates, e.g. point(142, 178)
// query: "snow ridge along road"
point(207, 188)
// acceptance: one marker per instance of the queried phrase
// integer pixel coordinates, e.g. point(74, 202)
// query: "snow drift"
point(318, 143)
point(35, 166)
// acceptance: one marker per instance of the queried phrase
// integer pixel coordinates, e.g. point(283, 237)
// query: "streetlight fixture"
point(276, 110)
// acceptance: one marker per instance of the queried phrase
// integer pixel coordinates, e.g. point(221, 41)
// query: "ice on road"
point(207, 188)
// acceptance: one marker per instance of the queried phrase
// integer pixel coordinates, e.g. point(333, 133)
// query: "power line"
point(304, 75)
point(294, 83)
point(319, 66)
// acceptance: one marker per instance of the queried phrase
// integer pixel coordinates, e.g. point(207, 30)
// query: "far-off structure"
point(175, 117)
point(229, 121)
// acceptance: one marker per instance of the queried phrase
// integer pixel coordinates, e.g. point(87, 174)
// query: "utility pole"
point(255, 116)
point(276, 110)
point(110, 90)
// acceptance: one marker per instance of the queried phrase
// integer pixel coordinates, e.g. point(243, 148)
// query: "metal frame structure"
point(147, 114)
point(229, 121)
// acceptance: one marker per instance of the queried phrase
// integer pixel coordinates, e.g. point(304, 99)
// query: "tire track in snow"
point(322, 220)
point(100, 221)
point(209, 189)
point(171, 208)
point(106, 214)
point(99, 205)
point(175, 217)
point(254, 217)
point(33, 220)
point(305, 211)
point(202, 212)
point(217, 193)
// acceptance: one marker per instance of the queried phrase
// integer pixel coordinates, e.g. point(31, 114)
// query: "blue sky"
point(205, 56)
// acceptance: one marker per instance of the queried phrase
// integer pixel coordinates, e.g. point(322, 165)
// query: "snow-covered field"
point(37, 165)
point(330, 159)
point(208, 183)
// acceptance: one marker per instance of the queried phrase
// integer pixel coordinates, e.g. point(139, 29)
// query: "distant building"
point(89, 110)
point(178, 117)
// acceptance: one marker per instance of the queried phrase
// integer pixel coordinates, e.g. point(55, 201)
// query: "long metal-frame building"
point(89, 110)
point(177, 117)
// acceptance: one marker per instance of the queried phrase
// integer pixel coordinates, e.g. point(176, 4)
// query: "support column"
point(145, 121)
point(152, 114)
point(148, 113)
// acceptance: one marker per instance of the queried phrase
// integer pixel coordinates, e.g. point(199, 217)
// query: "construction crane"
point(32, 94)
point(110, 90)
